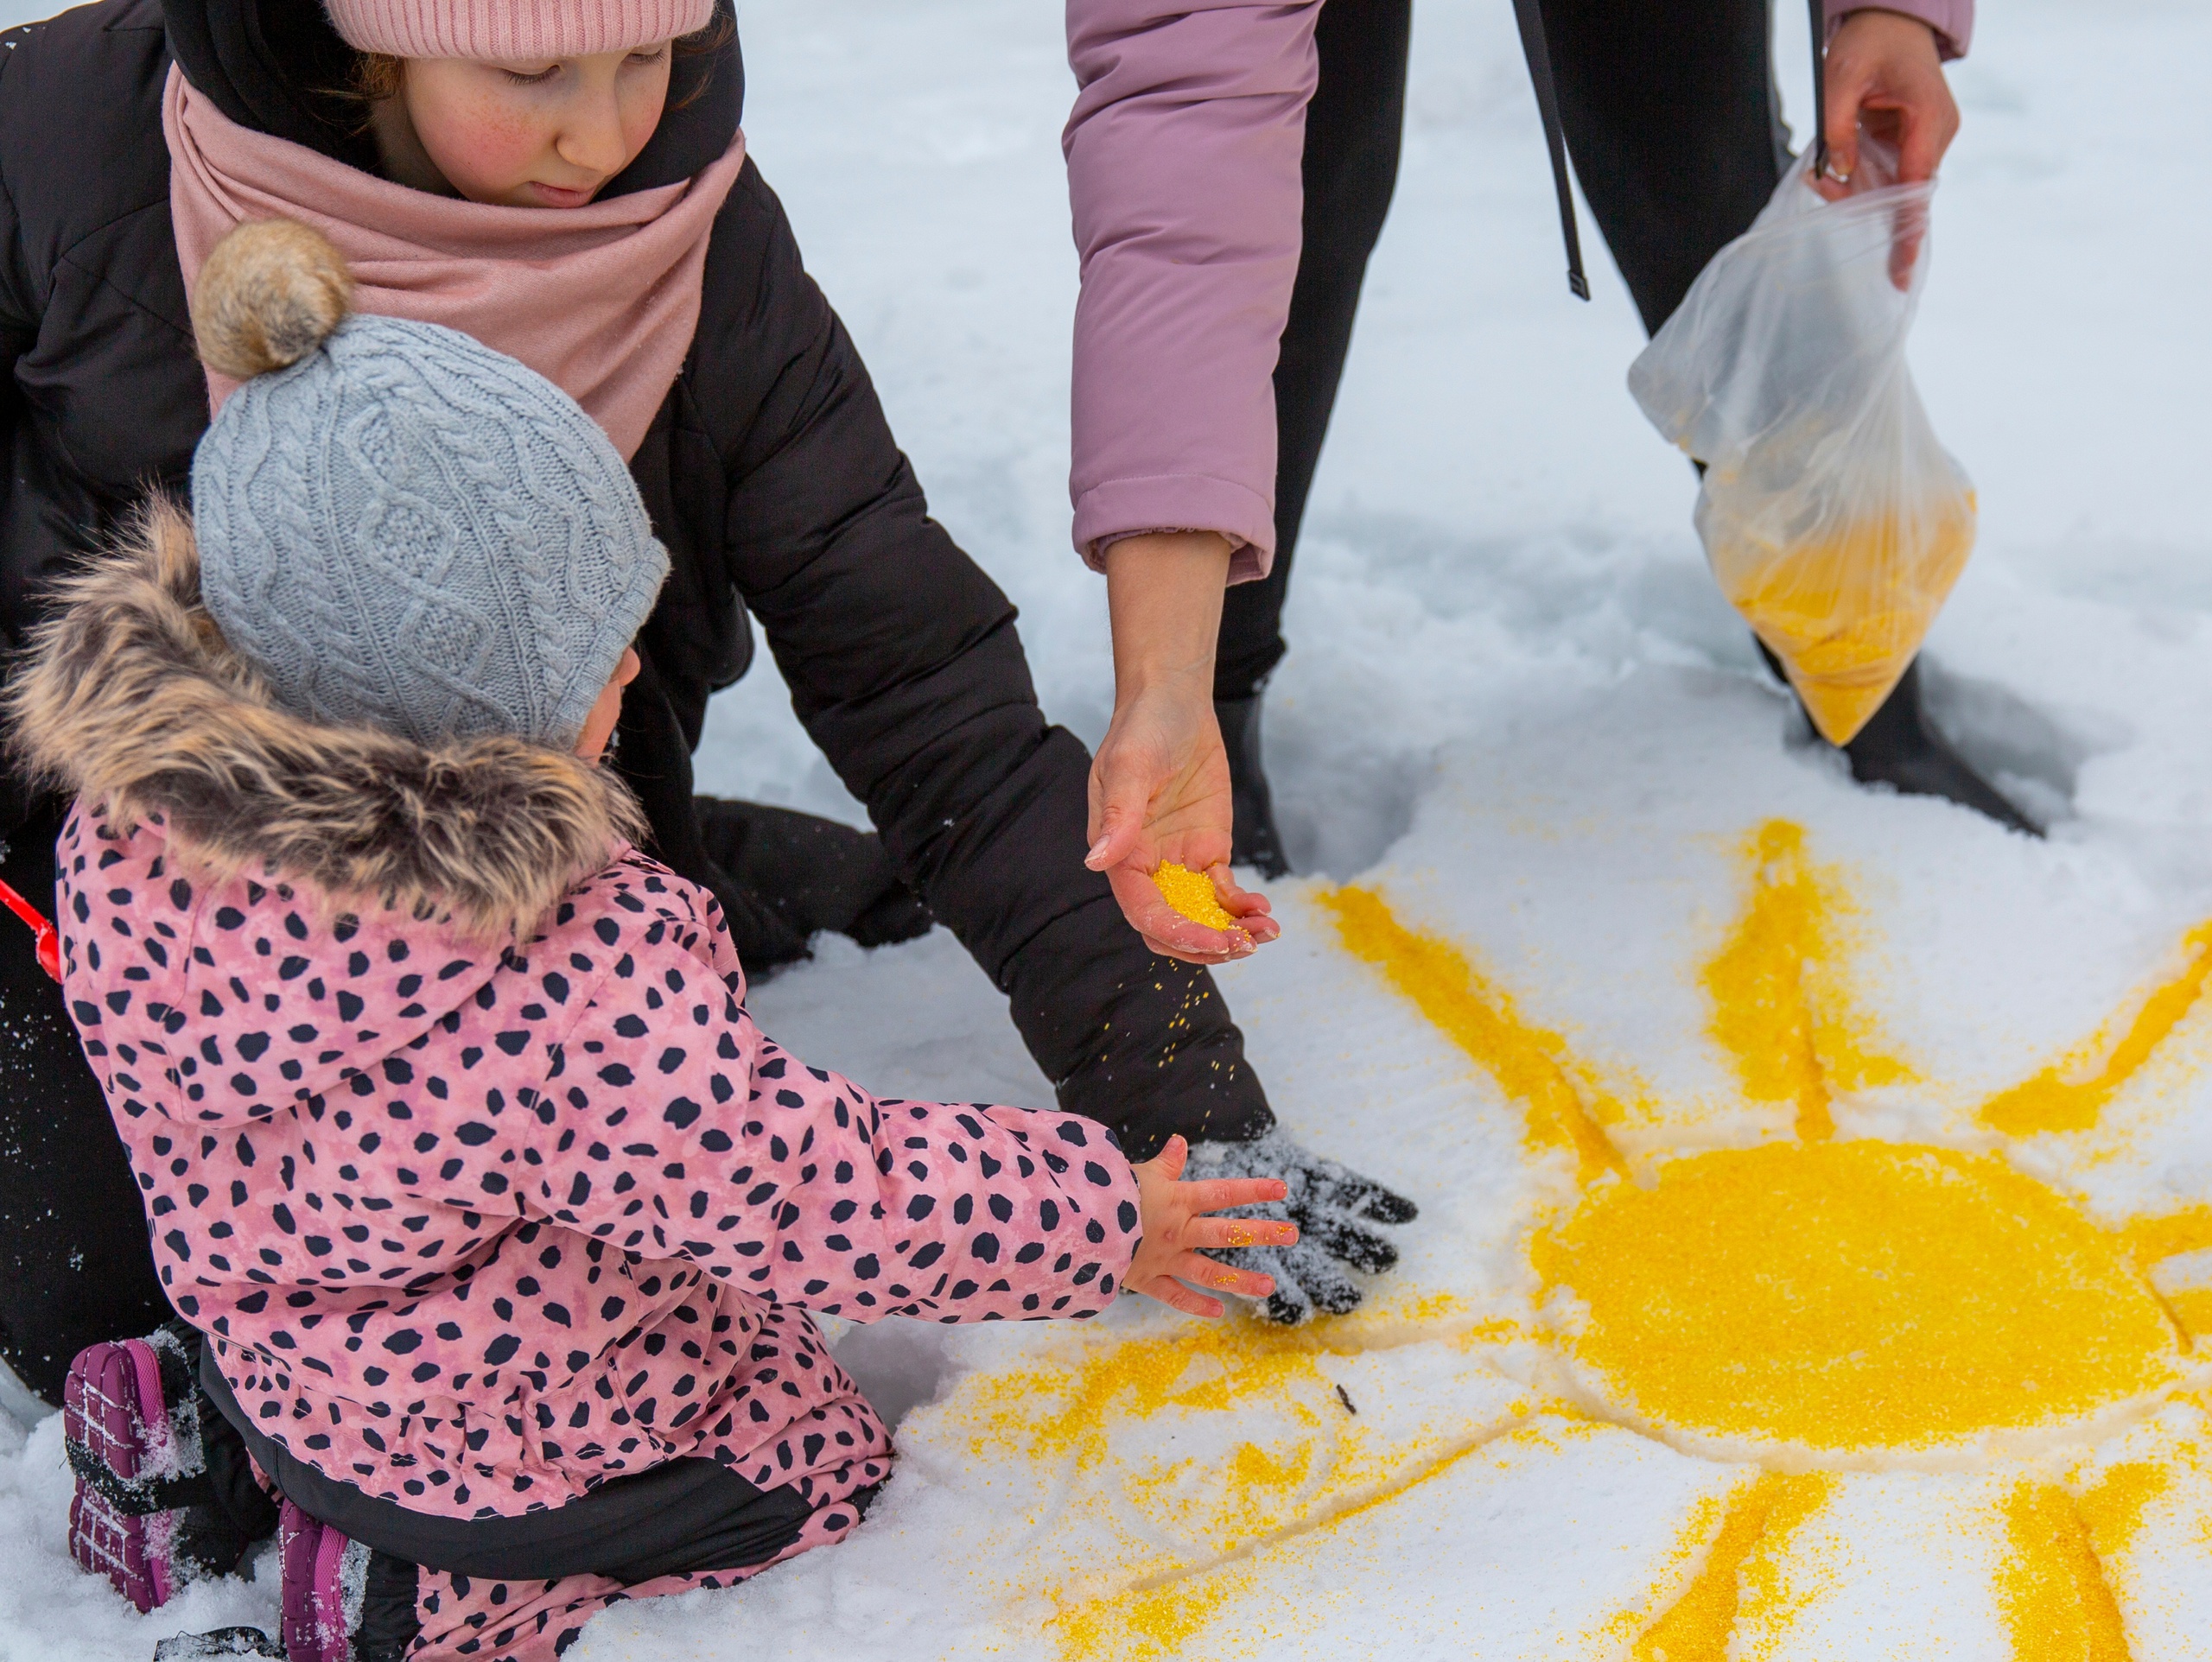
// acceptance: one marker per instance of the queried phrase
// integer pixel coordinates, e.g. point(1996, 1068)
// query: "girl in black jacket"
point(773, 480)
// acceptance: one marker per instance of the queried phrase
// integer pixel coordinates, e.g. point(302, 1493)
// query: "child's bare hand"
point(1172, 1216)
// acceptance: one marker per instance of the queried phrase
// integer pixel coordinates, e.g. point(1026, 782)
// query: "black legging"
point(1670, 117)
point(74, 1263)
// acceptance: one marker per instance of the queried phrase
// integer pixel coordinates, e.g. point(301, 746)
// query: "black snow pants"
point(1671, 120)
point(687, 1516)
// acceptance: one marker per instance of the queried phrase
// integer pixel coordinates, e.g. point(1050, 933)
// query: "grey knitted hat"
point(399, 527)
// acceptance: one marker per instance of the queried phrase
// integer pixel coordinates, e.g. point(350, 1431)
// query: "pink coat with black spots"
point(474, 1225)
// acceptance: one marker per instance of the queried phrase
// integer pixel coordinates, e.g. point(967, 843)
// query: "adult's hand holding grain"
point(1172, 1216)
point(1159, 784)
point(1194, 895)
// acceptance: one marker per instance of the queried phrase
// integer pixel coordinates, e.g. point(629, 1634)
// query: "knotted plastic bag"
point(1833, 519)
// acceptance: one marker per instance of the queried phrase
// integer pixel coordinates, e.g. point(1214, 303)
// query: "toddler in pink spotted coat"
point(493, 1218)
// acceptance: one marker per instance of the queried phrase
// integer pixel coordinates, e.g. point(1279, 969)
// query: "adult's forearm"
point(1183, 156)
point(1163, 593)
point(1138, 1043)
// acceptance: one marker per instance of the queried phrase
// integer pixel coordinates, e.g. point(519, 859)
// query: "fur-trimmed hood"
point(132, 699)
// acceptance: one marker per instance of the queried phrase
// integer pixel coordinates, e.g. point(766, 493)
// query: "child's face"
point(545, 134)
point(598, 726)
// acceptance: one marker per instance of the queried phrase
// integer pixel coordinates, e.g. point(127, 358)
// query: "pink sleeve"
point(1952, 20)
point(1183, 157)
point(679, 1130)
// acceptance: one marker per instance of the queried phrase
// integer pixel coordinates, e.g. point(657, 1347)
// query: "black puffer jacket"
point(770, 474)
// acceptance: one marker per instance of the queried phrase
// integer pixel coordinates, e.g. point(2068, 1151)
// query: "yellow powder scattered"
point(2057, 1603)
point(1847, 612)
point(1221, 1369)
point(2071, 1093)
point(1499, 1330)
point(1565, 1105)
point(2153, 1239)
point(2192, 1308)
point(1761, 1516)
point(1853, 1295)
point(1252, 1467)
point(1671, 1579)
point(1212, 1368)
point(1832, 1296)
point(1193, 894)
point(1159, 1614)
point(1197, 1527)
point(1781, 1008)
point(2113, 1507)
point(1140, 1625)
point(1381, 1495)
point(1422, 1309)
point(1227, 1504)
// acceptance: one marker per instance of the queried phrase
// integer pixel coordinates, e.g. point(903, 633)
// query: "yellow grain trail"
point(2071, 1093)
point(1783, 1008)
point(1756, 1528)
point(2055, 1591)
point(1533, 1065)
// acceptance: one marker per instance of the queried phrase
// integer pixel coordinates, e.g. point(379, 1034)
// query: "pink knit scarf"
point(601, 300)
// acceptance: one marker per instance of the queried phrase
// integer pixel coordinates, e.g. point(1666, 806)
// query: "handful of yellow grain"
point(1846, 609)
point(1193, 894)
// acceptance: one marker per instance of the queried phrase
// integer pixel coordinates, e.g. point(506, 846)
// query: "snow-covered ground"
point(1519, 719)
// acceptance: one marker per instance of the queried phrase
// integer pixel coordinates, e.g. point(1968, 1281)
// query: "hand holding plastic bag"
point(1833, 519)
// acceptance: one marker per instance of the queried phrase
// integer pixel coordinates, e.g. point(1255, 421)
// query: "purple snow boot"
point(325, 1575)
point(133, 1431)
point(145, 1514)
point(343, 1601)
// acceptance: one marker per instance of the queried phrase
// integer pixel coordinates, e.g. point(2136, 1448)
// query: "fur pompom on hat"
point(398, 527)
point(270, 294)
point(513, 31)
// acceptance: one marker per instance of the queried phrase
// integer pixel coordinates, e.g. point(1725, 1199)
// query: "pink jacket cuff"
point(1952, 20)
point(1131, 507)
point(1183, 153)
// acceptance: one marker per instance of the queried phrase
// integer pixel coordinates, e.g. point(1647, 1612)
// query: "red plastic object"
point(49, 940)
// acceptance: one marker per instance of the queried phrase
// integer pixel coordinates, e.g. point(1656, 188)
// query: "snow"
point(1515, 706)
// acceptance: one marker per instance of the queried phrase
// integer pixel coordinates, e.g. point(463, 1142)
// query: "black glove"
point(1331, 1207)
point(223, 1642)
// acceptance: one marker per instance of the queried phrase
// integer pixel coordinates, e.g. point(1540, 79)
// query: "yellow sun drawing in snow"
point(1794, 1311)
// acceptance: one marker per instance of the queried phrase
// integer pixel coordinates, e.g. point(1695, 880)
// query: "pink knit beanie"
point(513, 31)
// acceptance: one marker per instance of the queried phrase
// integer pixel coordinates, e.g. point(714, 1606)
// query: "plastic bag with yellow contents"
point(1833, 519)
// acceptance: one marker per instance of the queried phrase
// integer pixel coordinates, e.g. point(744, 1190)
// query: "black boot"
point(1254, 841)
point(1900, 747)
point(794, 874)
point(765, 942)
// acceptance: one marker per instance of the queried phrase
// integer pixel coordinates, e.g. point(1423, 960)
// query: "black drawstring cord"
point(1531, 18)
point(1529, 15)
point(1820, 86)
